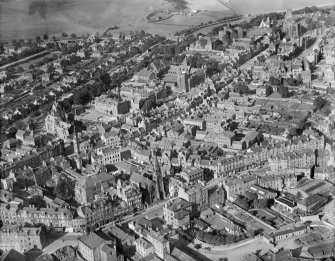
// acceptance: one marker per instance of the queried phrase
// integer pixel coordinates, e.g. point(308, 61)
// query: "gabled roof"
point(181, 255)
point(12, 255)
point(141, 180)
point(93, 240)
point(91, 181)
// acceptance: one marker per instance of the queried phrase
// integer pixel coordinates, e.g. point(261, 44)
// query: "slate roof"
point(93, 240)
point(12, 255)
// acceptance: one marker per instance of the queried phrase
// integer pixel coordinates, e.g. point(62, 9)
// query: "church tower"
point(183, 82)
point(76, 157)
point(157, 177)
point(75, 140)
point(291, 27)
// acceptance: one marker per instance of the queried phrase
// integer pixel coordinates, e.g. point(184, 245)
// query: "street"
point(232, 253)
point(151, 212)
point(60, 240)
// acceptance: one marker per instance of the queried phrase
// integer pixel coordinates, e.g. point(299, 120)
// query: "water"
point(29, 18)
point(263, 6)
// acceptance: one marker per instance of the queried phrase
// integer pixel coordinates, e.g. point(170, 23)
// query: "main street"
point(58, 240)
point(150, 212)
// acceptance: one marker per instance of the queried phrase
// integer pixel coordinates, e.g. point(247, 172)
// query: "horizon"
point(27, 19)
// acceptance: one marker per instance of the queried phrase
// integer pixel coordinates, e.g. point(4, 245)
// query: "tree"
point(212, 67)
point(261, 58)
point(64, 188)
point(292, 132)
point(274, 81)
point(319, 102)
point(261, 203)
point(291, 82)
point(15, 44)
point(208, 174)
point(64, 34)
point(38, 39)
point(195, 61)
point(242, 202)
point(20, 69)
point(203, 42)
point(37, 202)
point(241, 88)
point(326, 110)
point(142, 33)
point(251, 196)
point(45, 37)
point(268, 90)
point(283, 91)
point(73, 36)
point(8, 88)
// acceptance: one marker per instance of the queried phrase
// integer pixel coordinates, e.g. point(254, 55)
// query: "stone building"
point(109, 105)
point(196, 194)
point(290, 26)
point(129, 194)
point(177, 212)
point(216, 195)
point(55, 122)
point(91, 187)
point(97, 247)
point(15, 214)
point(20, 238)
point(101, 212)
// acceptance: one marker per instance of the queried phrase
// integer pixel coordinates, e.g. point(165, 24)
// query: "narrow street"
point(56, 241)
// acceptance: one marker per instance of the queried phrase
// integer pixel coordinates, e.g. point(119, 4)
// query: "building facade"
point(21, 239)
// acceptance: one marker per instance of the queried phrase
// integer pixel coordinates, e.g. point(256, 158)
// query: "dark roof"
point(141, 180)
point(288, 231)
point(286, 202)
point(200, 223)
point(322, 249)
point(181, 255)
point(12, 255)
point(93, 240)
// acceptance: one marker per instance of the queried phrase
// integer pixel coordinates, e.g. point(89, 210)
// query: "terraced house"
point(21, 239)
point(15, 214)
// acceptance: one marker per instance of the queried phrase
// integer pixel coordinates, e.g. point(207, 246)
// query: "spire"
point(75, 140)
point(75, 136)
